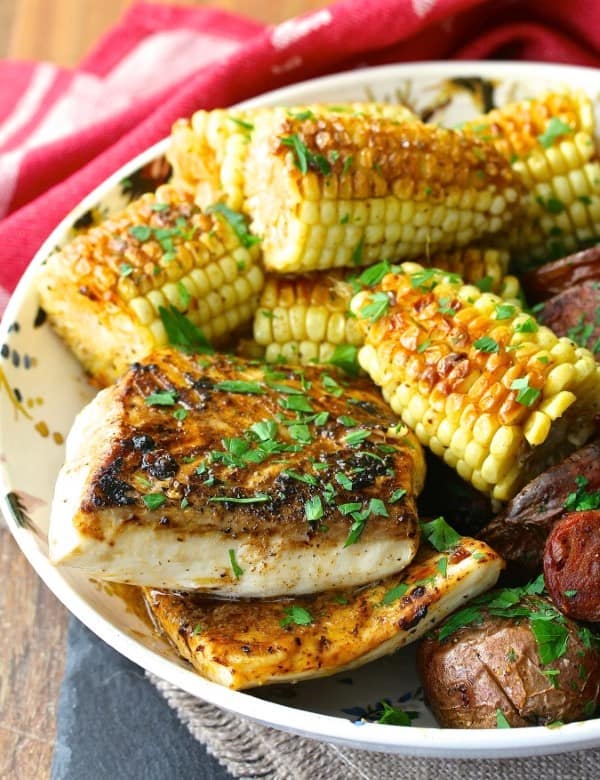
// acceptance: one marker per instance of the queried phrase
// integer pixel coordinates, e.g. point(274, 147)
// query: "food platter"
point(42, 388)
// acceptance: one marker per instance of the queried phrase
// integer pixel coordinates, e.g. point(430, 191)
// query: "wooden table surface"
point(32, 622)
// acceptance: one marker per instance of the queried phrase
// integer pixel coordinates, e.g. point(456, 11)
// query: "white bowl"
point(42, 388)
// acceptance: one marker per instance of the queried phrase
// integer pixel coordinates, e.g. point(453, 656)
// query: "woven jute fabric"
point(251, 751)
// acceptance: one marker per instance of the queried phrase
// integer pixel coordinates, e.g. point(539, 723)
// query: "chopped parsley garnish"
point(296, 403)
point(551, 635)
point(501, 722)
point(313, 509)
point(424, 280)
point(299, 476)
point(265, 430)
point(357, 527)
point(241, 123)
point(446, 306)
point(343, 481)
point(141, 232)
point(236, 568)
point(555, 128)
point(237, 222)
point(354, 438)
point(259, 498)
point(504, 311)
point(395, 593)
point(440, 535)
point(526, 394)
point(551, 205)
point(297, 615)
point(570, 594)
point(374, 274)
point(304, 158)
point(184, 294)
point(397, 495)
point(485, 284)
point(331, 386)
point(180, 414)
point(442, 566)
point(154, 500)
point(486, 344)
point(197, 629)
point(162, 398)
point(357, 252)
point(393, 716)
point(347, 164)
point(240, 386)
point(582, 500)
point(377, 307)
point(125, 269)
point(378, 508)
point(528, 325)
point(347, 421)
point(182, 333)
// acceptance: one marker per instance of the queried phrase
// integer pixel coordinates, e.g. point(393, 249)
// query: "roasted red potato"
point(498, 671)
point(575, 313)
point(552, 278)
point(519, 533)
point(572, 565)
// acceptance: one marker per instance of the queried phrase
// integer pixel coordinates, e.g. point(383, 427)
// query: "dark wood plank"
point(32, 639)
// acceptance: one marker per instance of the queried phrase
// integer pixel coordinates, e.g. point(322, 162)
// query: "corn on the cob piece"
point(353, 190)
point(498, 396)
point(114, 292)
point(485, 267)
point(550, 144)
point(208, 151)
point(304, 318)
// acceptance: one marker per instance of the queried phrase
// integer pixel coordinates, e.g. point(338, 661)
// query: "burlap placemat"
point(250, 751)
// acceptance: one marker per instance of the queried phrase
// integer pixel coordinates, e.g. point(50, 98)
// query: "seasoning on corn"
point(354, 190)
point(303, 319)
point(208, 151)
point(550, 144)
point(498, 396)
point(159, 271)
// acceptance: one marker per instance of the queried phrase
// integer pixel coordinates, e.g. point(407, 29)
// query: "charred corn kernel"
point(503, 405)
point(108, 291)
point(392, 189)
point(307, 315)
point(550, 143)
point(208, 151)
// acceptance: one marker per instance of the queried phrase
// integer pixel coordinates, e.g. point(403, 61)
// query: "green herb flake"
point(182, 333)
point(240, 386)
point(440, 535)
point(393, 716)
point(501, 722)
point(357, 252)
point(296, 403)
point(582, 500)
point(374, 274)
point(486, 284)
point(504, 311)
point(442, 566)
point(570, 594)
point(299, 476)
point(141, 232)
point(125, 269)
point(347, 421)
point(424, 345)
point(447, 306)
point(555, 128)
point(297, 615)
point(354, 438)
point(259, 498)
point(313, 509)
point(248, 126)
point(395, 593)
point(154, 500)
point(377, 307)
point(347, 164)
point(237, 222)
point(398, 494)
point(486, 344)
point(528, 325)
point(526, 394)
point(377, 508)
point(265, 430)
point(180, 414)
point(343, 480)
point(339, 599)
point(357, 527)
point(162, 398)
point(184, 294)
point(236, 568)
point(331, 386)
point(551, 636)
point(197, 629)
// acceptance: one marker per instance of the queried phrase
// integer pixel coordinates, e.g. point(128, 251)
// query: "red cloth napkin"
point(63, 131)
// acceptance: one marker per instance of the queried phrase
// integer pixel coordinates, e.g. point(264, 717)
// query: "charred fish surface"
point(246, 643)
point(223, 475)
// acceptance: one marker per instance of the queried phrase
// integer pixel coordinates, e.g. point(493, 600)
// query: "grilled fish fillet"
point(223, 475)
point(243, 644)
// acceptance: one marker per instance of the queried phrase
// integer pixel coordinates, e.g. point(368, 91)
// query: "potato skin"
point(495, 666)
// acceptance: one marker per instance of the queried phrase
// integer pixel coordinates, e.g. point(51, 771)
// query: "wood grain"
point(32, 634)
point(64, 30)
point(32, 622)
